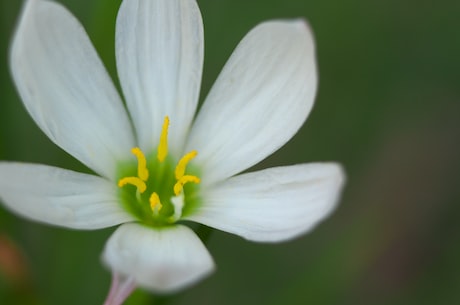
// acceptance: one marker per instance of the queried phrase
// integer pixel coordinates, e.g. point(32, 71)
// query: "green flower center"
point(159, 190)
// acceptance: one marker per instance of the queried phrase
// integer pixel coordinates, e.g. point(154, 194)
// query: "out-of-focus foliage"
point(388, 108)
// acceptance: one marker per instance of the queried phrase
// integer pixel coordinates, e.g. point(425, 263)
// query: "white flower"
point(166, 166)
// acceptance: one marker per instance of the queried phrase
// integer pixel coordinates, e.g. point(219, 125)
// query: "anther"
point(163, 146)
point(180, 168)
point(155, 203)
point(178, 187)
point(142, 170)
point(137, 182)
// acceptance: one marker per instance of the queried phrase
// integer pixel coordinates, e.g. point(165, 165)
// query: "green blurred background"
point(388, 108)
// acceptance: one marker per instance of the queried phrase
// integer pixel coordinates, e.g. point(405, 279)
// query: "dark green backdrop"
point(388, 108)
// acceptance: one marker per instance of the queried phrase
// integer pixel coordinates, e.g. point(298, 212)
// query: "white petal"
point(60, 197)
point(161, 260)
point(159, 48)
point(66, 89)
point(259, 101)
point(272, 205)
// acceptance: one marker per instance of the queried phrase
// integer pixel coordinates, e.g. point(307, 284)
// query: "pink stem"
point(120, 289)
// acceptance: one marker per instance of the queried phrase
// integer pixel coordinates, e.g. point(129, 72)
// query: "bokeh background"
point(388, 109)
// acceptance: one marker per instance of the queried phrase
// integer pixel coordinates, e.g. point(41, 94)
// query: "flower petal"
point(60, 197)
point(66, 88)
point(272, 205)
point(161, 260)
point(259, 101)
point(159, 48)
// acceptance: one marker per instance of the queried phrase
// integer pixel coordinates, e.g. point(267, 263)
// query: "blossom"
point(155, 164)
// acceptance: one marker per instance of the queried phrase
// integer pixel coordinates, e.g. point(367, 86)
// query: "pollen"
point(142, 170)
point(181, 166)
point(137, 182)
point(160, 187)
point(155, 203)
point(163, 146)
point(178, 187)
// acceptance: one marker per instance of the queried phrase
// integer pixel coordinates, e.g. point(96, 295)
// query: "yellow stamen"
point(176, 202)
point(137, 182)
point(142, 170)
point(163, 146)
point(155, 203)
point(182, 181)
point(180, 168)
